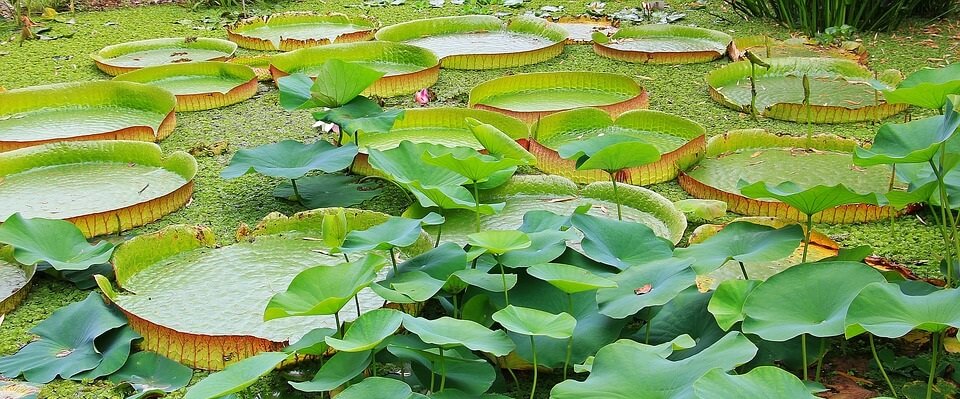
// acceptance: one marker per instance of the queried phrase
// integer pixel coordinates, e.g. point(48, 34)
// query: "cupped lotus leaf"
point(742, 154)
point(569, 279)
point(57, 242)
point(619, 156)
point(620, 244)
point(330, 89)
point(406, 68)
point(664, 44)
point(64, 352)
point(828, 289)
point(624, 367)
point(652, 283)
point(199, 85)
point(912, 142)
point(743, 242)
point(701, 208)
point(341, 282)
point(464, 371)
point(498, 143)
point(481, 41)
point(289, 159)
point(927, 88)
point(408, 287)
point(150, 374)
point(447, 332)
point(102, 187)
point(529, 321)
point(884, 310)
point(394, 233)
point(327, 190)
point(379, 387)
point(296, 30)
point(115, 347)
point(499, 242)
point(532, 96)
point(840, 90)
point(761, 382)
point(85, 111)
point(727, 301)
point(809, 200)
point(367, 331)
point(129, 56)
point(467, 162)
point(487, 281)
point(236, 376)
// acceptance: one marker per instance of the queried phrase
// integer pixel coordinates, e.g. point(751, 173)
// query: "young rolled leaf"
point(742, 242)
point(57, 242)
point(447, 332)
point(304, 298)
point(884, 310)
point(289, 159)
point(367, 331)
point(236, 376)
point(766, 381)
point(150, 374)
point(529, 321)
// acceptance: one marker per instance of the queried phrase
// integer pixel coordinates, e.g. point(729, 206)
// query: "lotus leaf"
point(336, 371)
point(330, 89)
point(379, 387)
point(360, 115)
point(743, 242)
point(341, 282)
point(464, 371)
point(727, 301)
point(199, 85)
point(236, 376)
point(312, 343)
point(498, 143)
point(652, 283)
point(409, 287)
point(367, 331)
point(126, 57)
point(686, 315)
point(766, 381)
point(569, 279)
point(912, 142)
point(290, 159)
point(115, 347)
point(326, 191)
point(885, 310)
point(57, 242)
point(499, 242)
point(703, 209)
point(601, 153)
point(394, 233)
point(528, 321)
point(476, 167)
point(486, 281)
point(296, 30)
point(620, 244)
point(809, 200)
point(664, 44)
point(150, 374)
point(545, 246)
point(447, 332)
point(927, 88)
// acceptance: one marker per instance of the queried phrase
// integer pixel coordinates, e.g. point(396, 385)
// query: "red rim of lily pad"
point(758, 139)
point(587, 24)
point(199, 85)
point(592, 121)
point(690, 44)
point(259, 63)
point(239, 33)
point(57, 162)
point(620, 93)
point(550, 39)
point(408, 68)
point(125, 57)
point(153, 107)
point(211, 351)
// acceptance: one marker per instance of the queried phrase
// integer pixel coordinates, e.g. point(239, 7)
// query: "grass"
point(224, 205)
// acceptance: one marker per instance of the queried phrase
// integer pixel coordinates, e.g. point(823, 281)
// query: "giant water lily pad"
point(84, 111)
point(445, 126)
point(755, 156)
point(172, 281)
point(531, 96)
point(768, 47)
point(14, 281)
point(100, 186)
point(840, 90)
point(663, 44)
point(481, 41)
point(561, 196)
point(406, 68)
point(126, 57)
point(296, 30)
point(199, 85)
point(680, 141)
point(580, 28)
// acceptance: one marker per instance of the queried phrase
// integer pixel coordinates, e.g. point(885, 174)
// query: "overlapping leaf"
point(290, 159)
point(57, 242)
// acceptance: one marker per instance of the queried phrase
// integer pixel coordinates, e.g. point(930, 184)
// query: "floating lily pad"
point(481, 41)
point(172, 281)
point(259, 63)
point(126, 57)
point(444, 126)
point(840, 90)
point(768, 47)
point(749, 154)
point(531, 96)
point(580, 28)
point(296, 30)
point(663, 44)
point(407, 68)
point(681, 142)
point(84, 111)
point(199, 85)
point(14, 281)
point(100, 186)
point(561, 196)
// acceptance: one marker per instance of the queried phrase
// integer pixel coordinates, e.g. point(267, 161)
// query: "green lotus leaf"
point(341, 282)
point(360, 114)
point(439, 263)
point(289, 159)
point(884, 310)
point(330, 89)
point(379, 387)
point(312, 343)
point(609, 153)
point(368, 330)
point(450, 197)
point(487, 281)
point(618, 243)
point(327, 191)
point(726, 305)
point(545, 246)
point(766, 381)
point(928, 87)
point(64, 352)
point(394, 233)
point(498, 143)
point(569, 279)
point(465, 372)
point(912, 142)
point(114, 346)
point(743, 242)
point(828, 288)
point(467, 162)
point(809, 200)
point(652, 283)
point(686, 315)
point(663, 44)
point(404, 165)
point(447, 332)
point(408, 287)
point(499, 242)
point(529, 321)
point(236, 377)
point(57, 242)
point(621, 368)
point(149, 374)
point(125, 57)
point(702, 208)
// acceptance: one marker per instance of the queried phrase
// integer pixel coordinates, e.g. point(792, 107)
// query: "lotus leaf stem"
point(393, 260)
point(566, 361)
point(439, 230)
point(356, 300)
point(743, 270)
point(935, 348)
point(296, 192)
point(503, 278)
point(476, 200)
point(514, 376)
point(803, 348)
point(806, 106)
point(753, 90)
point(616, 197)
point(443, 371)
point(947, 220)
point(873, 349)
point(820, 355)
point(806, 240)
point(336, 317)
point(533, 348)
point(646, 336)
